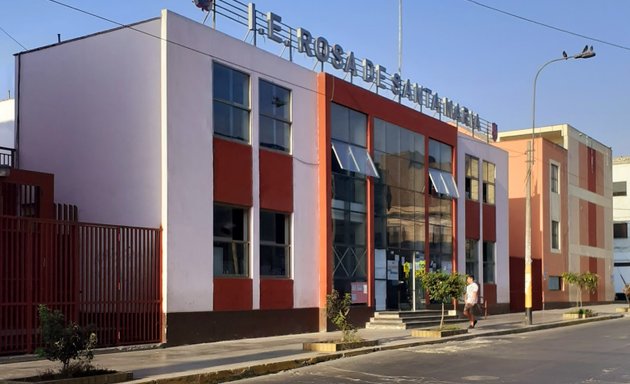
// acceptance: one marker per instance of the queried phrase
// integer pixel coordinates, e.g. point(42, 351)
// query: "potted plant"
point(582, 281)
point(73, 346)
point(337, 310)
point(442, 287)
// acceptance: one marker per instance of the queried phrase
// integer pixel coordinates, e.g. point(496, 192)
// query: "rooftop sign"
point(270, 25)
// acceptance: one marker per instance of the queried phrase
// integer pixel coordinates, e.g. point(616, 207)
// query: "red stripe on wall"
point(276, 181)
point(276, 294)
point(232, 172)
point(489, 222)
point(472, 219)
point(232, 294)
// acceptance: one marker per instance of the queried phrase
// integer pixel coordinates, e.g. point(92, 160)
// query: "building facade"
point(571, 205)
point(621, 218)
point(301, 182)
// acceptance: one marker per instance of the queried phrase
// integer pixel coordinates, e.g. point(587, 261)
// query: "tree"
point(582, 281)
point(443, 287)
point(337, 310)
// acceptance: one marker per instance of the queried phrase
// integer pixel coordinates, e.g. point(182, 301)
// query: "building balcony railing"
point(7, 157)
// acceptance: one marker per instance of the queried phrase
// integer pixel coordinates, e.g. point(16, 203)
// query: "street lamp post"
point(586, 53)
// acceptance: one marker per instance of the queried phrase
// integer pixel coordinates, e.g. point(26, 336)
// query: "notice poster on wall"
point(359, 292)
point(380, 264)
point(392, 268)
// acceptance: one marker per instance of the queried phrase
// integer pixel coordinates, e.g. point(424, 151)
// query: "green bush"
point(337, 310)
point(65, 342)
point(582, 281)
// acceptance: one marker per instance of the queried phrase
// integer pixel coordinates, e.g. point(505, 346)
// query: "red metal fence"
point(104, 275)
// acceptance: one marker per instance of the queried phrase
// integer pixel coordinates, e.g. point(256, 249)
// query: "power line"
point(12, 38)
point(550, 26)
point(173, 42)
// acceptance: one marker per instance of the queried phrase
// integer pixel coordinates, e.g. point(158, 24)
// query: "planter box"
point(106, 378)
point(437, 333)
point(573, 316)
point(622, 310)
point(334, 346)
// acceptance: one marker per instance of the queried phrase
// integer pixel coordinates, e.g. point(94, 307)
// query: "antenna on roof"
point(205, 6)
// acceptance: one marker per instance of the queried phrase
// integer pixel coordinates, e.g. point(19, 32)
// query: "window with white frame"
point(555, 235)
point(231, 241)
point(472, 178)
point(488, 262)
point(275, 244)
point(488, 182)
point(554, 175)
point(472, 257)
point(274, 103)
point(231, 107)
point(619, 188)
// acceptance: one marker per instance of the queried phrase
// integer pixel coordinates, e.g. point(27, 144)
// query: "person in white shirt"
point(472, 295)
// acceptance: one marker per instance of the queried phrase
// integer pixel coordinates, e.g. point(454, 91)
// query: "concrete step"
point(411, 324)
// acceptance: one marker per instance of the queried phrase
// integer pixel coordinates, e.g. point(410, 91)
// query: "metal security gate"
point(109, 276)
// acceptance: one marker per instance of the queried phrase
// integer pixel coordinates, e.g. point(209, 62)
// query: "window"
point(488, 262)
point(275, 242)
point(620, 230)
point(555, 172)
point(555, 235)
point(472, 259)
point(554, 283)
point(230, 89)
point(440, 170)
point(488, 182)
point(231, 241)
point(619, 188)
point(472, 178)
point(275, 116)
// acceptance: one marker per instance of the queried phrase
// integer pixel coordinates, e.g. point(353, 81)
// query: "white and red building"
point(273, 184)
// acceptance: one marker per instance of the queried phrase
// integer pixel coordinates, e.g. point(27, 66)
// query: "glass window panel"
point(393, 170)
point(393, 202)
point(221, 118)
point(364, 161)
point(393, 139)
point(229, 259)
point(451, 186)
point(419, 236)
point(283, 135)
point(221, 82)
point(339, 117)
point(418, 207)
point(406, 204)
point(490, 194)
point(267, 226)
point(619, 188)
point(417, 169)
point(358, 128)
point(357, 233)
point(282, 103)
point(418, 148)
point(380, 199)
point(281, 228)
point(339, 227)
point(406, 143)
point(434, 154)
point(447, 240)
point(380, 135)
point(265, 98)
point(240, 88)
point(344, 156)
point(241, 124)
point(342, 190)
point(393, 232)
point(380, 232)
point(407, 234)
point(359, 191)
point(437, 181)
point(380, 165)
point(446, 161)
point(267, 132)
point(222, 221)
point(406, 174)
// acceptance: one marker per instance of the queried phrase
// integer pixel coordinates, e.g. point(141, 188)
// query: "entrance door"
point(403, 285)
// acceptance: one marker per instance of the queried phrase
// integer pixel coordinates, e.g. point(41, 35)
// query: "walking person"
point(472, 296)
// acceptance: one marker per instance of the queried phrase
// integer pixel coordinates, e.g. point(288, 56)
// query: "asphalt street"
point(589, 353)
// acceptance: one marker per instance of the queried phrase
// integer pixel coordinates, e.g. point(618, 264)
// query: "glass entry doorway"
point(404, 290)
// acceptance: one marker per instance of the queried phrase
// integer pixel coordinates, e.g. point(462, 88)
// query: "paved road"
point(590, 353)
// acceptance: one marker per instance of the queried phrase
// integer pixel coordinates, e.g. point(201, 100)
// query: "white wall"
point(621, 214)
point(7, 120)
point(190, 132)
point(483, 151)
point(90, 113)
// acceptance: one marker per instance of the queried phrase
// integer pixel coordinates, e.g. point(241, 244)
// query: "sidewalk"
point(229, 360)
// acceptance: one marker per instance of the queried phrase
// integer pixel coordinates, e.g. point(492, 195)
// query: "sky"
point(480, 57)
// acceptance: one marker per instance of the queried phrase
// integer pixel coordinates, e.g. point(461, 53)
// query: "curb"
point(226, 375)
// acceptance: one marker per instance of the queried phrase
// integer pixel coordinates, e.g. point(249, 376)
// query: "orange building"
point(571, 210)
